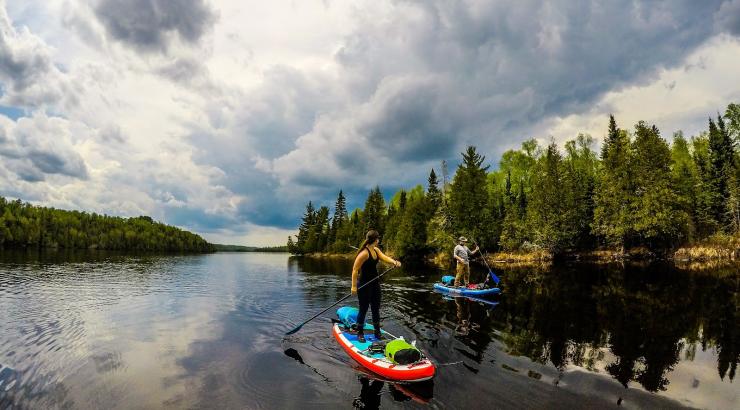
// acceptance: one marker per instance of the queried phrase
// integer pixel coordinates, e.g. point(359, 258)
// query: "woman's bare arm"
point(359, 260)
point(387, 259)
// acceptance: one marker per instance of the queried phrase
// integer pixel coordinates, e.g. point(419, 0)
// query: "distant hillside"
point(240, 248)
point(23, 225)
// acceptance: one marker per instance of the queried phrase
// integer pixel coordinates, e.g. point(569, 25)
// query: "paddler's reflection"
point(463, 317)
point(372, 391)
point(369, 394)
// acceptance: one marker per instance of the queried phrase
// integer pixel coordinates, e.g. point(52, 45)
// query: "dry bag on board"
point(401, 352)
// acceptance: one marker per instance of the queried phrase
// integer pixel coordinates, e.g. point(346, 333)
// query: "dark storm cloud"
point(20, 69)
point(58, 163)
point(728, 17)
point(148, 24)
point(197, 219)
point(413, 122)
point(435, 75)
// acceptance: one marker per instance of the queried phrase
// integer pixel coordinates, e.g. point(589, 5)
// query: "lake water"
point(102, 330)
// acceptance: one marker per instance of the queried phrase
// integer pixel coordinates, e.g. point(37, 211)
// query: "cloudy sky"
point(226, 116)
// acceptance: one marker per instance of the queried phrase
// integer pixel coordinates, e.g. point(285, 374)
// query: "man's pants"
point(463, 272)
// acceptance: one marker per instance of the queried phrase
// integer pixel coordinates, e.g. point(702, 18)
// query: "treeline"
point(239, 248)
point(23, 225)
point(639, 191)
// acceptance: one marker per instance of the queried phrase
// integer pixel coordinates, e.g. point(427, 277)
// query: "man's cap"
point(462, 239)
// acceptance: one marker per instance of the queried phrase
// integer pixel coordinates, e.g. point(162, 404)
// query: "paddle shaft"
point(491, 274)
point(297, 328)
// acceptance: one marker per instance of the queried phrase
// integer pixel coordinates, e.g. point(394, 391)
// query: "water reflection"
point(372, 390)
point(101, 330)
point(635, 323)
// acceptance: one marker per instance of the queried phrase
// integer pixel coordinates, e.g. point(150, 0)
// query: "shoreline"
point(700, 253)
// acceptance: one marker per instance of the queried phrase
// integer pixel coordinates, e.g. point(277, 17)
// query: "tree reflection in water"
point(632, 321)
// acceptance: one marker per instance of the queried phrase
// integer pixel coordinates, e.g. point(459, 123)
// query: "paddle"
point(495, 278)
point(297, 328)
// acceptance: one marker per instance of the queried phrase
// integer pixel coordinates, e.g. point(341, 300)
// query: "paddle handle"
point(297, 328)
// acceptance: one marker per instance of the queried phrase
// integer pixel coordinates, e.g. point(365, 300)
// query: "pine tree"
point(433, 192)
point(685, 180)
point(339, 218)
point(469, 195)
point(703, 207)
point(291, 245)
point(307, 222)
point(732, 115)
point(721, 156)
point(411, 238)
point(320, 230)
point(612, 137)
point(580, 171)
point(548, 212)
point(402, 201)
point(614, 189)
point(656, 217)
point(373, 215)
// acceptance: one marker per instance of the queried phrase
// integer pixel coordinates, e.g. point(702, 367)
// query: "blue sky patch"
point(12, 112)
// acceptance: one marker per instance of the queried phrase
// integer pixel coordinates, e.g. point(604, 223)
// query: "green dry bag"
point(401, 352)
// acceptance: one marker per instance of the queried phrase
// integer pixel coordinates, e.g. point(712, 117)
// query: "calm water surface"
point(206, 331)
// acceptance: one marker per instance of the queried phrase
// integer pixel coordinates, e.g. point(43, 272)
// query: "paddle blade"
point(495, 278)
point(294, 330)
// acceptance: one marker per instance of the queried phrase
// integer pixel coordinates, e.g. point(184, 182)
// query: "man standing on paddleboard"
point(366, 264)
point(462, 255)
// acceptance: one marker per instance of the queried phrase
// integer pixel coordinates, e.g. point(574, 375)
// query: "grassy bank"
point(716, 250)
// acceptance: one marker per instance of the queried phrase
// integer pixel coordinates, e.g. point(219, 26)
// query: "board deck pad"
point(369, 339)
point(377, 363)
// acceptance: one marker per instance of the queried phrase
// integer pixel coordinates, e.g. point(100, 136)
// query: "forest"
point(23, 225)
point(639, 191)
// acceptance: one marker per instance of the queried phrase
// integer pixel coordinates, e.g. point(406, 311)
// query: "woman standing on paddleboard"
point(366, 265)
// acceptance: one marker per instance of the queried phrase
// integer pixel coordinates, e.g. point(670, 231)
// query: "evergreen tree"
point(721, 159)
point(548, 212)
point(685, 180)
point(411, 238)
point(614, 189)
point(307, 222)
point(339, 218)
point(373, 215)
point(402, 201)
point(433, 192)
point(521, 200)
point(581, 166)
point(703, 208)
point(321, 230)
point(656, 217)
point(469, 196)
point(732, 115)
point(291, 245)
